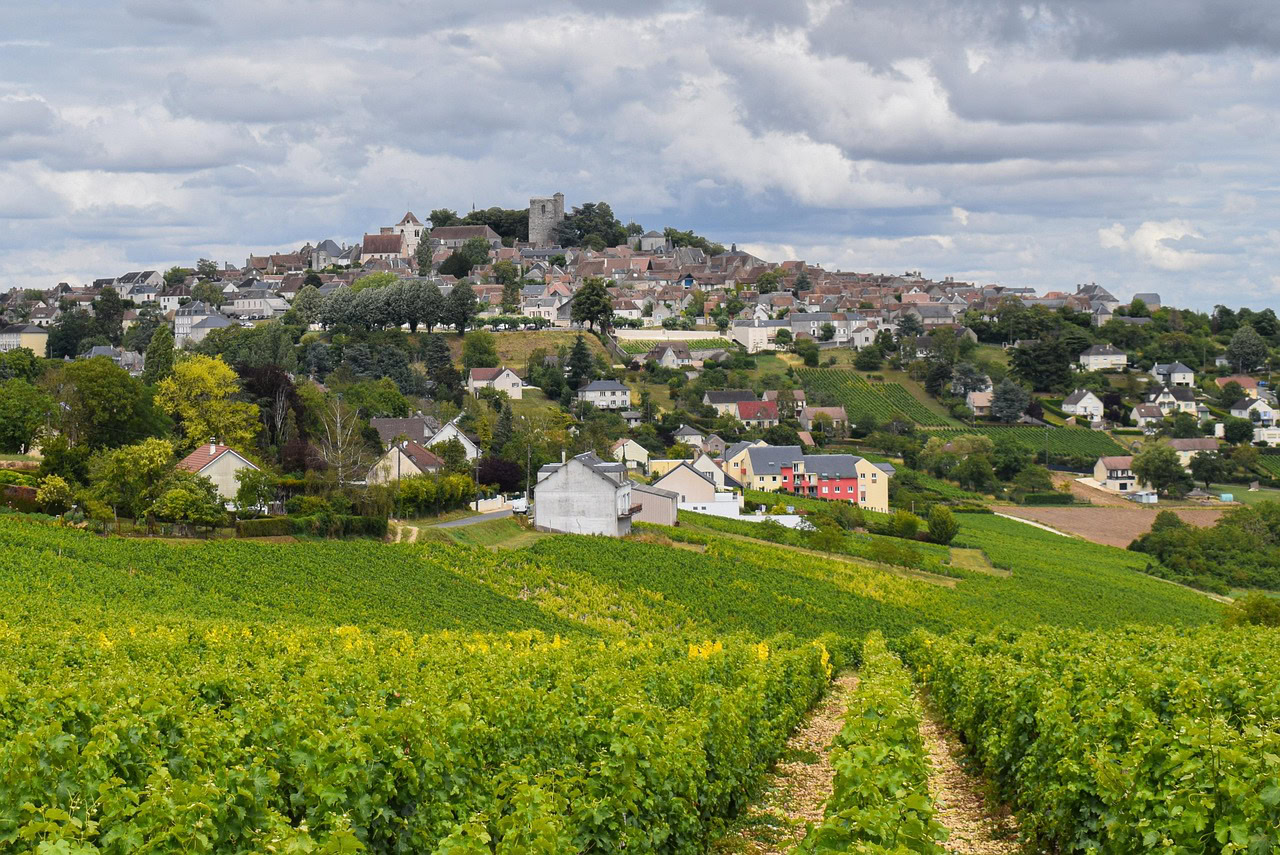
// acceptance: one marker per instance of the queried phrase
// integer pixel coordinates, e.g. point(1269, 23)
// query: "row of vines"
point(884, 401)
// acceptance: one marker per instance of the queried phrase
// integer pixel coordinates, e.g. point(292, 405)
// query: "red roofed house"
point(761, 414)
point(503, 379)
point(218, 463)
point(406, 460)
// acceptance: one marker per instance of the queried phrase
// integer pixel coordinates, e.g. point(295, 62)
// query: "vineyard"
point(581, 694)
point(1270, 464)
point(884, 401)
point(1062, 441)
point(1121, 741)
point(639, 347)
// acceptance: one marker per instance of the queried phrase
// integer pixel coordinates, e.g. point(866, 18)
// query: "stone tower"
point(545, 213)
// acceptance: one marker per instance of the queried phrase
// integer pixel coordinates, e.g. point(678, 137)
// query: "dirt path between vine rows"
point(796, 790)
point(976, 827)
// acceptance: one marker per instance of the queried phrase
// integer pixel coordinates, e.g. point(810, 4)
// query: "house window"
point(837, 489)
point(824, 491)
point(775, 479)
point(864, 497)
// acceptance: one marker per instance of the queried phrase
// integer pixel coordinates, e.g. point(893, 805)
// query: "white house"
point(1254, 409)
point(1189, 447)
point(606, 395)
point(1115, 473)
point(630, 452)
point(406, 460)
point(979, 403)
point(1173, 374)
point(584, 495)
point(1147, 415)
point(1083, 404)
point(1103, 357)
point(1173, 399)
point(218, 463)
point(452, 431)
point(502, 379)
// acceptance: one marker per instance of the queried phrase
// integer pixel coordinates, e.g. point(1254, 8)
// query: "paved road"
point(479, 518)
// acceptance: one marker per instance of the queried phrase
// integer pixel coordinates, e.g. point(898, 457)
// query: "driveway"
point(479, 518)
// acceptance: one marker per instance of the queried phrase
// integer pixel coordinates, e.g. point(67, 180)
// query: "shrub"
point(942, 525)
point(266, 527)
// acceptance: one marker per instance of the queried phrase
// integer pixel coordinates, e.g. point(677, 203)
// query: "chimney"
point(562, 460)
point(213, 446)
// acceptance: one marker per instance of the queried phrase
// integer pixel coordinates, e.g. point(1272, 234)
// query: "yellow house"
point(30, 336)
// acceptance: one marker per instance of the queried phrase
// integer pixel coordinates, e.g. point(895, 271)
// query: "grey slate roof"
point(769, 459)
point(729, 396)
point(603, 386)
point(832, 465)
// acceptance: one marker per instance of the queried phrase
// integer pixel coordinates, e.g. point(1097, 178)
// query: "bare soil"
point(1113, 526)
point(975, 825)
point(797, 789)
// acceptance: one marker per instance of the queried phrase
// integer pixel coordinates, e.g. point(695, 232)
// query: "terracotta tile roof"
point(485, 375)
point(421, 457)
point(204, 455)
point(757, 410)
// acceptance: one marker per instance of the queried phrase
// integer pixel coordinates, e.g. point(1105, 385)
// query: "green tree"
point(1236, 431)
point(307, 303)
point(1253, 609)
point(1247, 349)
point(942, 525)
point(108, 315)
point(201, 396)
point(476, 251)
point(206, 269)
point(423, 256)
point(54, 495)
point(159, 357)
point(68, 331)
point(129, 478)
point(1208, 467)
point(381, 279)
point(442, 217)
point(104, 406)
point(255, 489)
point(209, 293)
point(460, 307)
point(189, 499)
point(592, 225)
point(456, 265)
point(1229, 394)
point(868, 359)
point(975, 473)
point(1009, 401)
point(479, 350)
point(827, 331)
point(807, 349)
point(504, 430)
point(20, 363)
point(24, 410)
point(1158, 466)
point(592, 305)
point(581, 365)
point(768, 282)
point(784, 337)
point(1009, 457)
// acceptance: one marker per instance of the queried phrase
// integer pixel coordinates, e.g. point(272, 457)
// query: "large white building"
point(584, 495)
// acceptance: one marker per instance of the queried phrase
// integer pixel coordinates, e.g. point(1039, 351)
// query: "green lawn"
point(1241, 494)
point(494, 534)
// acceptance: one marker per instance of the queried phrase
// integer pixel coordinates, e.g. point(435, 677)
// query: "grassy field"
point(493, 534)
point(515, 346)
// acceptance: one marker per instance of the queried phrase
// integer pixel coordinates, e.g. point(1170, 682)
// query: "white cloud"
point(1154, 243)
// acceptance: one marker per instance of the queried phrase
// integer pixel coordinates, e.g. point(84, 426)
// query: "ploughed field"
point(585, 694)
point(1112, 526)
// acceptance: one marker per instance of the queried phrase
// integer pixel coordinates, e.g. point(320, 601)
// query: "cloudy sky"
point(1127, 142)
